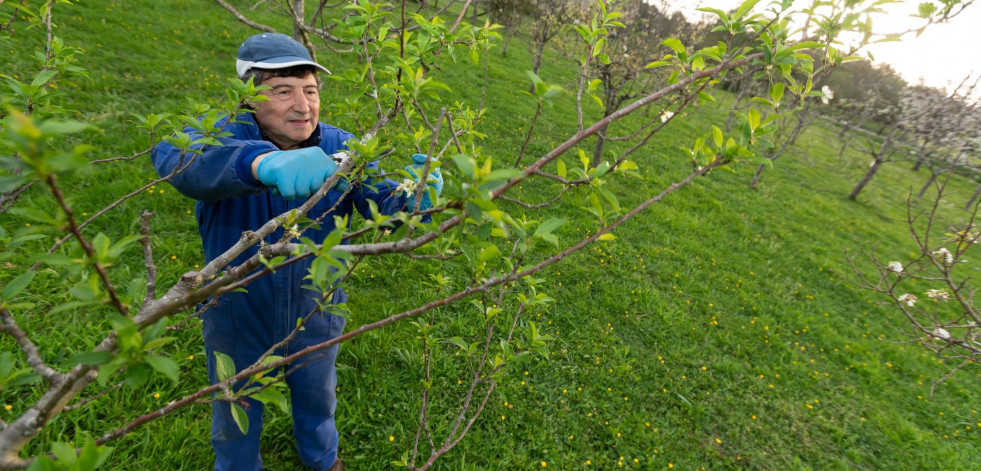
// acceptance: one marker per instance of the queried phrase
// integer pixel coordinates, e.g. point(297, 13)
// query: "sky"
point(944, 53)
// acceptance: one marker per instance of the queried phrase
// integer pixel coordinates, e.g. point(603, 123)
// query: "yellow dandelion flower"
point(156, 396)
point(8, 407)
point(544, 464)
point(391, 438)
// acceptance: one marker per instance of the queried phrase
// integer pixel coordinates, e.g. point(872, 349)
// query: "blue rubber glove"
point(434, 181)
point(298, 173)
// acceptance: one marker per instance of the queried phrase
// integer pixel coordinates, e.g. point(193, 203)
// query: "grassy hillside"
point(715, 332)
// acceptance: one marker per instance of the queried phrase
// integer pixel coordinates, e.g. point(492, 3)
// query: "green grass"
point(716, 332)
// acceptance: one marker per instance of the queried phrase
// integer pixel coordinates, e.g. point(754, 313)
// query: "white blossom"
point(895, 266)
point(407, 186)
point(938, 294)
point(666, 115)
point(942, 251)
point(829, 94)
point(941, 333)
point(907, 298)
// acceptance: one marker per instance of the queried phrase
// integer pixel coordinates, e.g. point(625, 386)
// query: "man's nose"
point(300, 103)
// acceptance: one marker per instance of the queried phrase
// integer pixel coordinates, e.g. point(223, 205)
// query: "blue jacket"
point(230, 200)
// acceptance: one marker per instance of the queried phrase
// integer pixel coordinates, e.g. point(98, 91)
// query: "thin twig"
point(89, 251)
point(240, 17)
point(151, 268)
point(126, 158)
point(88, 400)
point(9, 326)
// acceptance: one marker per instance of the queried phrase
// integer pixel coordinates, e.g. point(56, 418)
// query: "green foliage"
point(669, 373)
point(89, 458)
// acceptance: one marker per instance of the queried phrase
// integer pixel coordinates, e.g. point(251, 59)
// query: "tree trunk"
point(919, 163)
point(933, 178)
point(539, 50)
point(600, 142)
point(844, 145)
point(507, 40)
point(865, 180)
point(974, 197)
point(537, 63)
point(756, 176)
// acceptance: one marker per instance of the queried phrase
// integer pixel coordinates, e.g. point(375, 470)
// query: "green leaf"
point(43, 78)
point(754, 119)
point(57, 128)
point(465, 163)
point(65, 453)
point(675, 45)
point(459, 342)
point(164, 365)
point(926, 9)
point(560, 168)
point(92, 456)
point(92, 358)
point(17, 285)
point(42, 463)
point(489, 253)
point(776, 92)
point(9, 183)
point(627, 165)
point(241, 417)
point(717, 136)
point(549, 226)
point(806, 45)
point(224, 366)
point(137, 375)
point(271, 395)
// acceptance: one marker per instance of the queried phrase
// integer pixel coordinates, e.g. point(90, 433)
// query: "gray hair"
point(259, 76)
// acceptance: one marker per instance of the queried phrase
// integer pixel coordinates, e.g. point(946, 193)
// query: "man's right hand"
point(296, 173)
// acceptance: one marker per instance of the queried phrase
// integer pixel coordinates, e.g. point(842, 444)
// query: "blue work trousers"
point(244, 335)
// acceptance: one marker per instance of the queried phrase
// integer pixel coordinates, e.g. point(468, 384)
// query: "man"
point(282, 146)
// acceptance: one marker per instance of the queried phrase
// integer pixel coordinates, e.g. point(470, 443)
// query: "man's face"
point(291, 113)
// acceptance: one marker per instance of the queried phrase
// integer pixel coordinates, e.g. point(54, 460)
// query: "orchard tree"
point(930, 126)
point(621, 59)
point(497, 250)
point(509, 14)
point(552, 18)
point(931, 291)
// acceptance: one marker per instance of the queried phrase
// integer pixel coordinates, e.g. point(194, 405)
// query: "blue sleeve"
point(219, 172)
